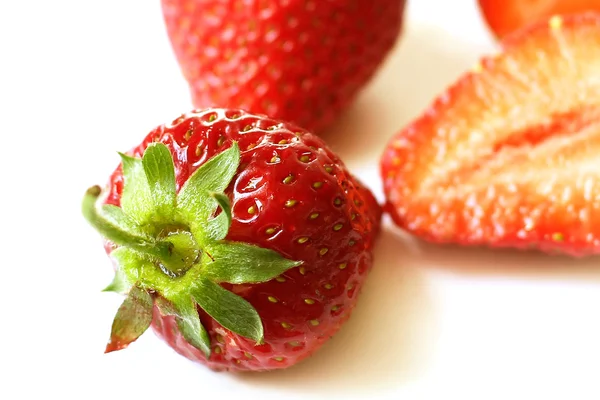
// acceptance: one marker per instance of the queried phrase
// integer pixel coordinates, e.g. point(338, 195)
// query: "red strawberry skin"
point(299, 61)
point(321, 215)
point(505, 17)
point(508, 155)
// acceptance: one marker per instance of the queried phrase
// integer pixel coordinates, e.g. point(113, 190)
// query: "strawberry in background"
point(302, 61)
point(506, 16)
point(509, 155)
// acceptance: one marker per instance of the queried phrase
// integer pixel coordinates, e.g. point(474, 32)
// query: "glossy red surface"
point(321, 215)
point(300, 61)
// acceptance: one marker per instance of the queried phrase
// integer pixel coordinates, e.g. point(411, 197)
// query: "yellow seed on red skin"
point(328, 286)
point(294, 343)
point(220, 141)
point(317, 185)
point(342, 265)
point(337, 227)
point(251, 210)
point(314, 216)
point(305, 158)
point(272, 299)
point(323, 251)
point(309, 301)
point(285, 325)
point(291, 203)
point(302, 270)
point(270, 231)
point(188, 134)
point(198, 150)
point(314, 322)
point(217, 350)
point(278, 359)
point(212, 117)
point(288, 179)
point(303, 240)
point(555, 22)
point(280, 279)
point(185, 23)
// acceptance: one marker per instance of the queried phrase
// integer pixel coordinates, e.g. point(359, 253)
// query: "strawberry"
point(507, 156)
point(242, 240)
point(296, 60)
point(504, 17)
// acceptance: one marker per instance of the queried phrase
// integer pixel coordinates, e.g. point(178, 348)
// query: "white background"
point(80, 80)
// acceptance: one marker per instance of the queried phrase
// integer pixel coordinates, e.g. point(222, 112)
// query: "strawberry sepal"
point(132, 320)
point(170, 249)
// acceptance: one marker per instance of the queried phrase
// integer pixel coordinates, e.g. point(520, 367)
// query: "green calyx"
point(171, 249)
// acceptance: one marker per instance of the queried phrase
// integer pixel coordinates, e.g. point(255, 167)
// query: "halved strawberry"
point(509, 156)
point(504, 17)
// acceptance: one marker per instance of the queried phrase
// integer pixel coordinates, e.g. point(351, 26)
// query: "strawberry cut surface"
point(508, 155)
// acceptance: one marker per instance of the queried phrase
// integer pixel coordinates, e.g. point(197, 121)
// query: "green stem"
point(120, 235)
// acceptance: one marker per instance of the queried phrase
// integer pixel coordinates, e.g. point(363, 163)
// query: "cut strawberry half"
point(509, 156)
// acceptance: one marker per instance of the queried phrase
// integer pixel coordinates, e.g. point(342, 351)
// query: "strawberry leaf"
point(136, 199)
point(218, 227)
point(237, 262)
point(228, 309)
point(117, 231)
point(133, 318)
point(160, 174)
point(117, 217)
point(165, 306)
point(120, 283)
point(190, 326)
point(194, 199)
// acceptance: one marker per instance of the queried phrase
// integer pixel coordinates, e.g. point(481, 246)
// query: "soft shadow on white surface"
point(387, 341)
point(427, 59)
point(502, 263)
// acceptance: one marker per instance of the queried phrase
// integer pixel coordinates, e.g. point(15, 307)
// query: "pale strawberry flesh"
point(508, 156)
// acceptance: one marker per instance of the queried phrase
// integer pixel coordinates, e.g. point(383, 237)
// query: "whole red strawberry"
point(508, 156)
point(505, 17)
point(296, 60)
point(242, 240)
